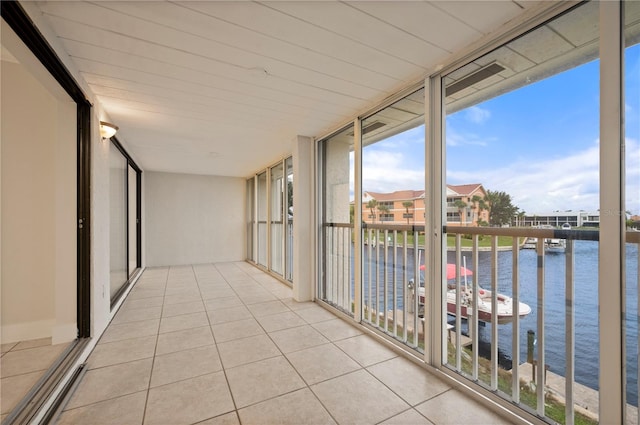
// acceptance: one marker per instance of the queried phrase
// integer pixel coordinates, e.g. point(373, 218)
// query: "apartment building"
point(465, 206)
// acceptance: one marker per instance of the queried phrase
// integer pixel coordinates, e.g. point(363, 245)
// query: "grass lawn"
point(483, 242)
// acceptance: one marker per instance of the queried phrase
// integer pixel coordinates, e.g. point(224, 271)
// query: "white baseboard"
point(64, 333)
point(26, 331)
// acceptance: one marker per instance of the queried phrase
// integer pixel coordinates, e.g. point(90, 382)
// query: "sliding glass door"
point(118, 220)
point(44, 312)
point(276, 204)
point(288, 219)
point(269, 218)
point(124, 219)
point(261, 209)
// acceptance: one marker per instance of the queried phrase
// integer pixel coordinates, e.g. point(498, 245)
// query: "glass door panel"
point(522, 151)
point(289, 221)
point(336, 286)
point(132, 195)
point(632, 195)
point(118, 216)
point(276, 202)
point(393, 217)
point(250, 218)
point(262, 218)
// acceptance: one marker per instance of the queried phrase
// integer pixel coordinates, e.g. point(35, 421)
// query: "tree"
point(383, 210)
point(476, 200)
point(460, 205)
point(407, 205)
point(520, 217)
point(372, 204)
point(501, 210)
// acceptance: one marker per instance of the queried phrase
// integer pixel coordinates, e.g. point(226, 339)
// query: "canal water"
point(586, 306)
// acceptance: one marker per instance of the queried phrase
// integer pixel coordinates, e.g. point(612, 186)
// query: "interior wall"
point(193, 219)
point(38, 208)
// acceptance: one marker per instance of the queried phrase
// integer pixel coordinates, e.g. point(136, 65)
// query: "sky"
point(539, 144)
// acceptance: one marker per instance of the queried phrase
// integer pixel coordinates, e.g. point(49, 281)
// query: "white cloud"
point(456, 138)
point(385, 171)
point(568, 183)
point(477, 115)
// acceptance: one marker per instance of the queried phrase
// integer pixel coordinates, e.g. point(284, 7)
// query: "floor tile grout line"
point(307, 386)
point(268, 334)
point(224, 371)
point(100, 401)
point(146, 401)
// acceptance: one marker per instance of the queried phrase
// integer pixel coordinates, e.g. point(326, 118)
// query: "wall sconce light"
point(107, 130)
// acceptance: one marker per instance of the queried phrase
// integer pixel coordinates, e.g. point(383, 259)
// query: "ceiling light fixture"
point(107, 130)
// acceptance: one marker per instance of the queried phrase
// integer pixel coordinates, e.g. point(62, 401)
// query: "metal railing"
point(393, 297)
point(525, 391)
point(337, 268)
point(392, 282)
point(392, 285)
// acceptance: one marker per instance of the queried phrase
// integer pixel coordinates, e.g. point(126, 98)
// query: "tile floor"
point(22, 364)
point(225, 344)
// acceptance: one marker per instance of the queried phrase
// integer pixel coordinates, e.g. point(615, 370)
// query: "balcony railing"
point(337, 268)
point(551, 307)
point(391, 259)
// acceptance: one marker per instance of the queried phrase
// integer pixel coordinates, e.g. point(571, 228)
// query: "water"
point(586, 306)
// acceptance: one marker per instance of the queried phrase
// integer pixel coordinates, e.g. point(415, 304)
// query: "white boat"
point(530, 243)
point(554, 245)
point(504, 303)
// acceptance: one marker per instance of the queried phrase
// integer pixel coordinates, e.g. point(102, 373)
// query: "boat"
point(530, 243)
point(554, 245)
point(505, 304)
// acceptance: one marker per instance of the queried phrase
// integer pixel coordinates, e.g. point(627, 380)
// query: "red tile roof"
point(398, 195)
point(402, 195)
point(465, 189)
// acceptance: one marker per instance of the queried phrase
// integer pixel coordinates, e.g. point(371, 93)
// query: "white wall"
point(38, 202)
point(193, 219)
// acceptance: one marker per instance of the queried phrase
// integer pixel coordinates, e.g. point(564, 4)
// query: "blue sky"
point(539, 143)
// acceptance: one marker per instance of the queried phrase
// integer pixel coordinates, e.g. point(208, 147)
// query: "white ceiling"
point(210, 87)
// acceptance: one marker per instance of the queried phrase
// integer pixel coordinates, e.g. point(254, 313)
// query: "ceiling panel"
point(482, 16)
point(350, 22)
point(282, 26)
point(210, 27)
point(223, 87)
point(445, 32)
point(193, 52)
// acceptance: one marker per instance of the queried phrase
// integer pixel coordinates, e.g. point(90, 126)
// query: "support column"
point(304, 208)
point(612, 217)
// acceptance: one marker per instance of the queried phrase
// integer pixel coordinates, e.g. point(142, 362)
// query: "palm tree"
point(521, 215)
point(475, 200)
point(372, 204)
point(407, 205)
point(460, 205)
point(383, 210)
point(483, 205)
